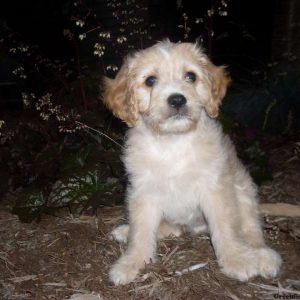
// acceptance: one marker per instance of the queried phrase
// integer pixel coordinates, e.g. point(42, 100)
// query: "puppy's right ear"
point(119, 97)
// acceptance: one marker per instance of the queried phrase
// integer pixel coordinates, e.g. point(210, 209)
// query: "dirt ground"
point(68, 258)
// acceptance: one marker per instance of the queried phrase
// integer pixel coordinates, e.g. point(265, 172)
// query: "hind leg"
point(198, 224)
point(120, 233)
point(166, 229)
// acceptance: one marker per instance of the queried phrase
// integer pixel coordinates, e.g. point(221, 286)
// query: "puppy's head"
point(167, 86)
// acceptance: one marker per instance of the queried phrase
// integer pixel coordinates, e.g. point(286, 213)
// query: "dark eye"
point(150, 81)
point(191, 76)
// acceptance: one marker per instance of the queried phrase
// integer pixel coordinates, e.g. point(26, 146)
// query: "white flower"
point(105, 35)
point(98, 53)
point(223, 13)
point(99, 49)
point(80, 23)
point(210, 12)
point(25, 99)
point(121, 39)
point(112, 67)
point(199, 20)
point(224, 3)
point(82, 36)
point(24, 48)
point(19, 72)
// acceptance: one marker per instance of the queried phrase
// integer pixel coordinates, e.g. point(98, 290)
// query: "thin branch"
point(100, 133)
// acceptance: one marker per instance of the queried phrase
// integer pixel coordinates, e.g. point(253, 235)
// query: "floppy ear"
point(219, 81)
point(119, 97)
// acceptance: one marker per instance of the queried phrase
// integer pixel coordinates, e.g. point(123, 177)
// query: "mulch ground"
point(63, 257)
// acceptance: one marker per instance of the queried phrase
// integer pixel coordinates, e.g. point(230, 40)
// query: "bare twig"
point(23, 278)
point(99, 132)
point(190, 269)
point(280, 209)
point(169, 255)
point(275, 289)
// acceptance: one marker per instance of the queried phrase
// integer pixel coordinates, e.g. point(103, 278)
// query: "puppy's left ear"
point(118, 96)
point(219, 81)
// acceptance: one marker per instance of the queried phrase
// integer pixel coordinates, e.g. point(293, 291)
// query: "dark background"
point(252, 36)
point(42, 22)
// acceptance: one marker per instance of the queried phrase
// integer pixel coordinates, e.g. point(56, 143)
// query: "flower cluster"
point(132, 27)
point(1, 126)
point(105, 35)
point(185, 26)
point(112, 67)
point(216, 8)
point(27, 99)
point(46, 108)
point(67, 121)
point(7, 135)
point(121, 39)
point(20, 72)
point(82, 36)
point(79, 23)
point(22, 49)
point(99, 49)
point(71, 129)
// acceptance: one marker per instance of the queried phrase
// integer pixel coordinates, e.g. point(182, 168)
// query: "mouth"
point(177, 123)
point(178, 114)
point(178, 117)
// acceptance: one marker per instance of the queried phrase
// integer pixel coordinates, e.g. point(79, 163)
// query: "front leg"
point(144, 219)
point(236, 257)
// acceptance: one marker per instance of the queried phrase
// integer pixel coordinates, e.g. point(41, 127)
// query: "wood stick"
point(280, 209)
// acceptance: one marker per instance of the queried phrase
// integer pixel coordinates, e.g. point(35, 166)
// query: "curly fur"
point(182, 169)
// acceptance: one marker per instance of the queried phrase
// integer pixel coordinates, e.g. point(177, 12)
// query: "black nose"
point(176, 100)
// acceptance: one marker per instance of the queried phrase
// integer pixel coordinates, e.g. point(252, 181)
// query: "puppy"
point(182, 169)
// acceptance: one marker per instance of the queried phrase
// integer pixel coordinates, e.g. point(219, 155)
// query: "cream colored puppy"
point(182, 169)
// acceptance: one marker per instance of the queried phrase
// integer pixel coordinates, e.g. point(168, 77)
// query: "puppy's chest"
point(181, 160)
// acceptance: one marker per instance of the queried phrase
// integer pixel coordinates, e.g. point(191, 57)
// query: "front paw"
point(270, 262)
point(124, 271)
point(251, 262)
